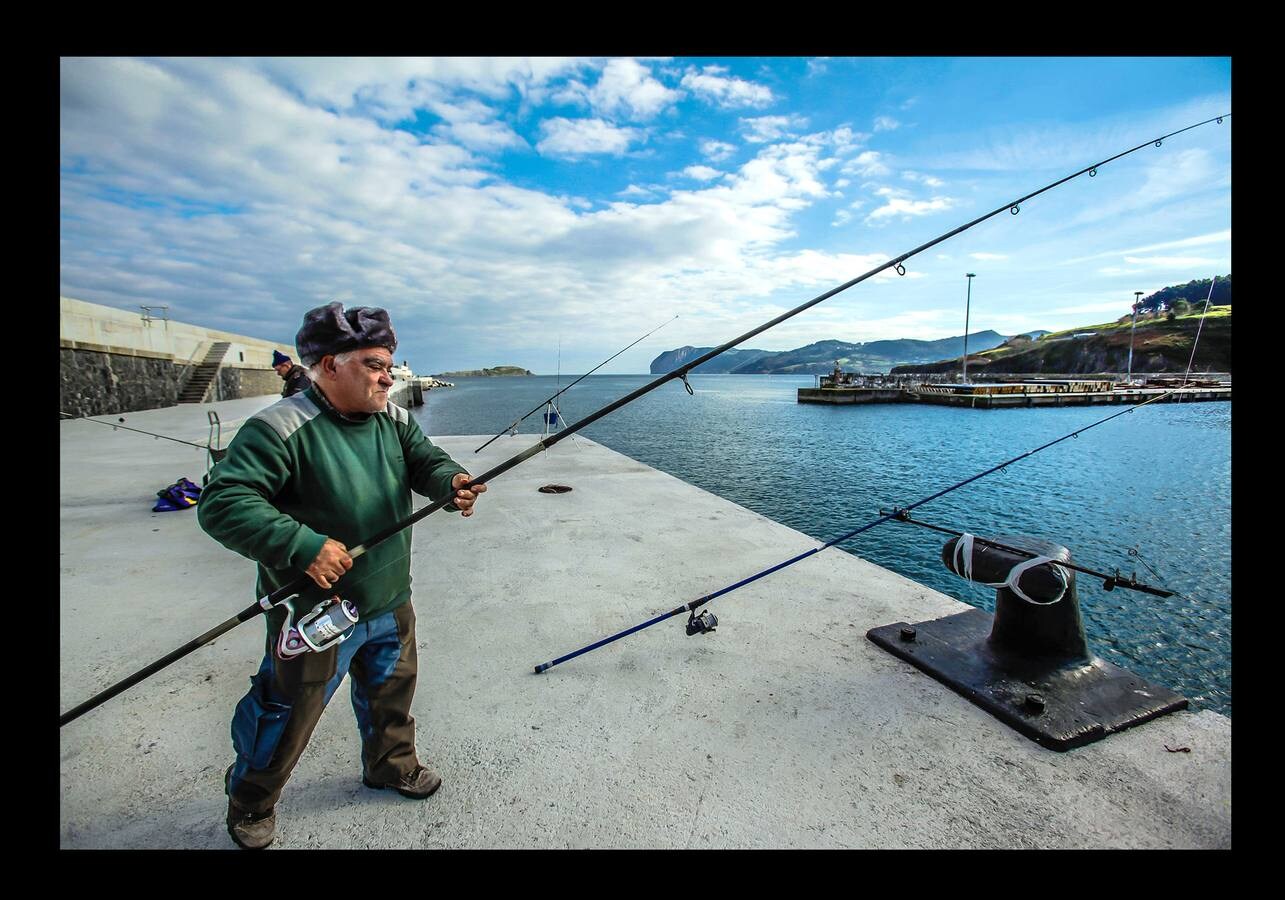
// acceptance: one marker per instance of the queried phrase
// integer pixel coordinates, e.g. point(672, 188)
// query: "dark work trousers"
point(273, 722)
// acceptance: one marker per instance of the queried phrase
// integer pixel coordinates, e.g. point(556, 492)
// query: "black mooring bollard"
point(1029, 664)
point(1047, 625)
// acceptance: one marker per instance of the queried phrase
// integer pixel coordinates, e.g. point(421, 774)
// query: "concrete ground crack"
point(696, 818)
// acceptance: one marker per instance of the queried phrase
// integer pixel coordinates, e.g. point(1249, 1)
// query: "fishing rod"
point(1196, 342)
point(138, 430)
point(514, 424)
point(1109, 582)
point(294, 588)
point(706, 621)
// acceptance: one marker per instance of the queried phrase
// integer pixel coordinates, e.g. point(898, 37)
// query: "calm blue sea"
point(1157, 481)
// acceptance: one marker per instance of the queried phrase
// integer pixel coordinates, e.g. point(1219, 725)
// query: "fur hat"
point(332, 329)
point(278, 358)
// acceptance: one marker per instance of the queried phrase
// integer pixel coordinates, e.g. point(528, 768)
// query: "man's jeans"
point(273, 722)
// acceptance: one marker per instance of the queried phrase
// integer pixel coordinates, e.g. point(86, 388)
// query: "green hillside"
point(1162, 342)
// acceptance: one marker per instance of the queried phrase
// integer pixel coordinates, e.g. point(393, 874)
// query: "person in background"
point(295, 377)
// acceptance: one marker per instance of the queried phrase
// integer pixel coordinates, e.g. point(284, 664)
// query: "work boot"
point(250, 830)
point(418, 784)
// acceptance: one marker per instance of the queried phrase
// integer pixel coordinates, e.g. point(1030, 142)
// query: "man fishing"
point(301, 481)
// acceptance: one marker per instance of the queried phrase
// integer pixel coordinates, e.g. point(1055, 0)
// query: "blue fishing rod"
point(322, 614)
point(707, 622)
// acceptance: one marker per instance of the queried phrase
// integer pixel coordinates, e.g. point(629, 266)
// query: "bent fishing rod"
point(516, 422)
point(706, 622)
point(294, 588)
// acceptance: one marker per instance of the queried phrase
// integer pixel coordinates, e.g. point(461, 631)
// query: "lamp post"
point(967, 302)
point(1136, 301)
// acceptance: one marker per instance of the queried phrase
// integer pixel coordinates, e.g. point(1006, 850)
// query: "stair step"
point(203, 373)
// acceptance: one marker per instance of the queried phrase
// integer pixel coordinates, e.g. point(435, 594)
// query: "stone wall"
point(94, 383)
point(235, 383)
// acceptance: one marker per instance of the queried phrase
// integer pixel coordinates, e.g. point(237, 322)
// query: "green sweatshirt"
point(298, 472)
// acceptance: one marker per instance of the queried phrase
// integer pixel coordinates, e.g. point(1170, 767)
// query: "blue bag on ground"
point(182, 494)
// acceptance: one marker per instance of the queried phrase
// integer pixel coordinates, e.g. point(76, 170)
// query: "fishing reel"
point(702, 624)
point(328, 623)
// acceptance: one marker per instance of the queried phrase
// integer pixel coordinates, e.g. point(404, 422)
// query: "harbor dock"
point(786, 727)
point(995, 394)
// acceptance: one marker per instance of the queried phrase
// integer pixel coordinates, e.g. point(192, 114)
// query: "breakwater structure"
point(1006, 390)
point(115, 361)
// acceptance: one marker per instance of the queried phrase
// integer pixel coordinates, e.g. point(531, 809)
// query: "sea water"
point(1156, 481)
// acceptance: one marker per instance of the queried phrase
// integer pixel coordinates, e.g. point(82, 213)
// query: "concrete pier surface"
point(784, 728)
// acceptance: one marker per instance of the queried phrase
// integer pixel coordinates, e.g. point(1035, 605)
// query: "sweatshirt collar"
point(324, 403)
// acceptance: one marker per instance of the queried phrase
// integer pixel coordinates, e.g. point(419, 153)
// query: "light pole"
point(1136, 301)
point(967, 302)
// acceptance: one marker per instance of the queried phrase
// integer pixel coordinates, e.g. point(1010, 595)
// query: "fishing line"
point(511, 429)
point(885, 517)
point(278, 596)
point(138, 430)
point(1133, 551)
point(1203, 313)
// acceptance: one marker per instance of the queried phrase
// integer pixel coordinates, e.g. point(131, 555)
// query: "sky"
point(546, 212)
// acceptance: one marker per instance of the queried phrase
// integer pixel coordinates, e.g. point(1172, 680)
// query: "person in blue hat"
point(295, 377)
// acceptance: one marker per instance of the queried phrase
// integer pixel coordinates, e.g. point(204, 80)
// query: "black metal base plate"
point(1080, 703)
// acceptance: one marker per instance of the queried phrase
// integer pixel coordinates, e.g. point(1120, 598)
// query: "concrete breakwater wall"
point(114, 361)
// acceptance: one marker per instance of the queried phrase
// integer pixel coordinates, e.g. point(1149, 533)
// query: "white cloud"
point(712, 85)
point(868, 165)
point(626, 88)
point(763, 129)
point(1069, 146)
point(1171, 262)
point(572, 93)
point(1179, 174)
point(817, 66)
point(702, 173)
point(1200, 240)
point(584, 137)
point(483, 136)
point(928, 180)
point(844, 138)
point(391, 88)
point(716, 151)
point(886, 123)
point(897, 203)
